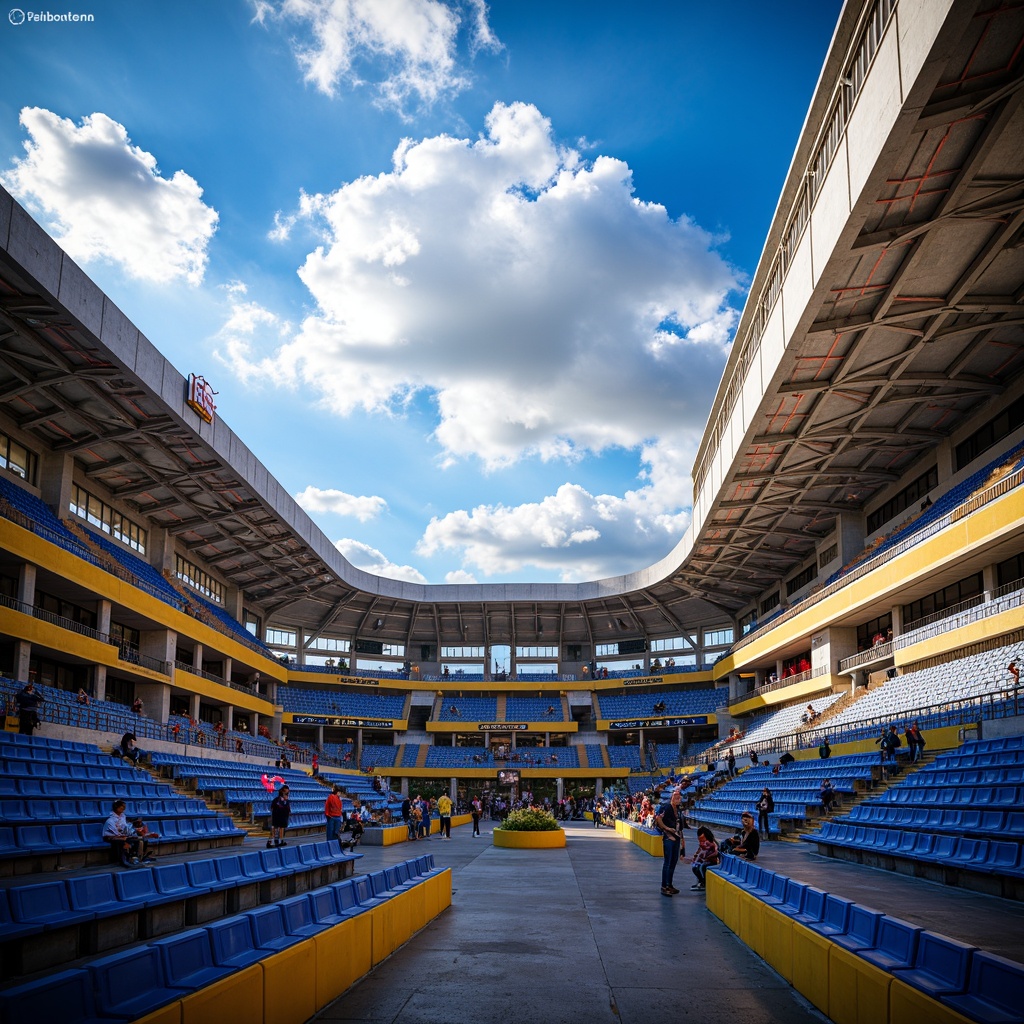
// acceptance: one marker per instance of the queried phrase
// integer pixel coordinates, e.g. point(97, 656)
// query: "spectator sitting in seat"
point(828, 795)
point(129, 751)
point(137, 705)
point(117, 832)
point(746, 842)
point(138, 829)
point(705, 857)
point(82, 697)
point(786, 758)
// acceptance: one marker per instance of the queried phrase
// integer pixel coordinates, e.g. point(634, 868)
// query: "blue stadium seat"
point(836, 918)
point(897, 944)
point(862, 932)
point(188, 960)
point(346, 899)
point(232, 943)
point(298, 917)
point(203, 875)
point(66, 996)
point(323, 909)
point(95, 895)
point(364, 892)
point(131, 984)
point(173, 880)
point(995, 991)
point(268, 931)
point(941, 966)
point(812, 910)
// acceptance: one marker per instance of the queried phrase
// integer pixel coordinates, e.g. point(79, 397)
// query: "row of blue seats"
point(957, 820)
point(19, 840)
point(988, 759)
point(1004, 775)
point(16, 739)
point(966, 796)
point(130, 984)
point(18, 752)
point(44, 786)
point(44, 810)
point(30, 909)
point(977, 984)
point(89, 773)
point(987, 856)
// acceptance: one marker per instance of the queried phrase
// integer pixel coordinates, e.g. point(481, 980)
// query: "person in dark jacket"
point(765, 806)
point(280, 811)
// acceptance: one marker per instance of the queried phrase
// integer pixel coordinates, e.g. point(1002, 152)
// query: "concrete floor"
point(565, 936)
point(584, 935)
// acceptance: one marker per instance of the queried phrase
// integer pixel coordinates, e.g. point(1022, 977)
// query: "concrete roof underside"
point(915, 322)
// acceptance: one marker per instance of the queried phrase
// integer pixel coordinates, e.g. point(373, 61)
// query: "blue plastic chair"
point(268, 931)
point(897, 944)
point(995, 990)
point(941, 965)
point(188, 959)
point(131, 984)
point(66, 996)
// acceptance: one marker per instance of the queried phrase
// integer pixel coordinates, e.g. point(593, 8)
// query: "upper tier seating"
point(773, 725)
point(468, 709)
point(905, 694)
point(337, 702)
point(677, 703)
point(534, 709)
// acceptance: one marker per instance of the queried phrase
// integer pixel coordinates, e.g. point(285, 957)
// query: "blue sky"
point(464, 277)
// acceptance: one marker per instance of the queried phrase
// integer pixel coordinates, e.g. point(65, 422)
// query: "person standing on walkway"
point(333, 813)
point(280, 811)
point(669, 822)
point(765, 806)
point(444, 812)
point(477, 808)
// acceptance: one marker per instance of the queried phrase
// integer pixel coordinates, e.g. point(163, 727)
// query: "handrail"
point(963, 711)
point(781, 684)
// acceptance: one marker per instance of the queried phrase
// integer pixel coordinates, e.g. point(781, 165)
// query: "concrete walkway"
point(565, 937)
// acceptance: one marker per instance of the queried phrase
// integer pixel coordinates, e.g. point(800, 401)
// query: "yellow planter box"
point(529, 840)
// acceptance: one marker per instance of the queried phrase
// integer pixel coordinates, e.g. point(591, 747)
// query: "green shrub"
point(530, 821)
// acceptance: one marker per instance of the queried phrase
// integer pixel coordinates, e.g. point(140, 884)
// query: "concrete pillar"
point(22, 657)
point(27, 583)
point(160, 550)
point(989, 581)
point(453, 789)
point(193, 706)
point(55, 476)
point(99, 682)
point(197, 659)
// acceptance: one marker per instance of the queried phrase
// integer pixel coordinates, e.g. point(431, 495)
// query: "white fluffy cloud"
point(414, 42)
point(572, 532)
point(459, 576)
point(105, 199)
point(546, 310)
point(362, 556)
point(361, 507)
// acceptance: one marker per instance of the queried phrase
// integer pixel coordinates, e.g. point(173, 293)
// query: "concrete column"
point(22, 657)
point(197, 659)
point(989, 581)
point(55, 475)
point(99, 682)
point(27, 583)
point(453, 789)
point(229, 716)
point(227, 668)
point(193, 706)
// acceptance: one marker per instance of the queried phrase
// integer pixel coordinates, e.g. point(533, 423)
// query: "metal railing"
point(780, 684)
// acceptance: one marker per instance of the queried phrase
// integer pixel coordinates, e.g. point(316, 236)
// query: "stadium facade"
point(858, 512)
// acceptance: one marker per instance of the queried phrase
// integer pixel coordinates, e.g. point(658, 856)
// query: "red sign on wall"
point(200, 397)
